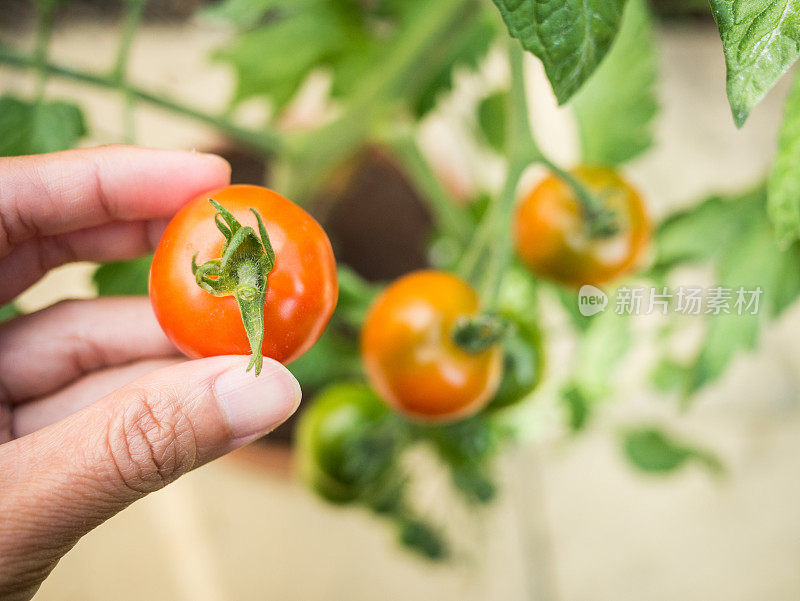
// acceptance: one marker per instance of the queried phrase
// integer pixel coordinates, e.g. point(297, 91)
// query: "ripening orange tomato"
point(553, 238)
point(409, 354)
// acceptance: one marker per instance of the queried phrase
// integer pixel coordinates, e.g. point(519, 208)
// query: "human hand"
point(96, 409)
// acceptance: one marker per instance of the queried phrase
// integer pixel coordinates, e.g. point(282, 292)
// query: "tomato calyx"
point(601, 221)
point(478, 333)
point(241, 272)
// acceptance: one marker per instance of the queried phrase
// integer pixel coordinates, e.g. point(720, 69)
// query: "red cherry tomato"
point(301, 289)
point(409, 354)
point(553, 239)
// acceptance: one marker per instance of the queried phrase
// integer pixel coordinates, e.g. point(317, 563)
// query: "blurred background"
point(573, 520)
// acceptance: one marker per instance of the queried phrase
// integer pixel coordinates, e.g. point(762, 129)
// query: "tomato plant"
point(554, 237)
point(211, 310)
point(441, 347)
point(410, 354)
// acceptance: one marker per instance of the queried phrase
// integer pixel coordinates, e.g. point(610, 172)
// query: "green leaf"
point(570, 37)
point(30, 128)
point(355, 296)
point(274, 60)
point(604, 343)
point(334, 357)
point(652, 450)
point(761, 40)
point(464, 48)
point(784, 180)
point(467, 448)
point(706, 231)
point(577, 406)
point(475, 483)
point(243, 13)
point(492, 115)
point(123, 278)
point(471, 440)
point(670, 376)
point(734, 237)
point(753, 260)
point(615, 108)
point(285, 40)
point(423, 538)
point(568, 299)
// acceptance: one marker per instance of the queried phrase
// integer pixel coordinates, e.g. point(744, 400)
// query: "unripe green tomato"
point(331, 457)
point(523, 364)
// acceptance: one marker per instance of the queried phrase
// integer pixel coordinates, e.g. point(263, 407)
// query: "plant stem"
point(491, 246)
point(601, 220)
point(264, 141)
point(133, 16)
point(499, 254)
point(317, 153)
point(44, 29)
point(448, 216)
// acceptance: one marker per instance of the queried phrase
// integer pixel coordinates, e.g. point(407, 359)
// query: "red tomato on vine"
point(266, 283)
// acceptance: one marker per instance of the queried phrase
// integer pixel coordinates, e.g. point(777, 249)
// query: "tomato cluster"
point(266, 283)
point(409, 350)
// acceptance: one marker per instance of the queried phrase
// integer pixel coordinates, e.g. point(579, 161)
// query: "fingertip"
point(214, 159)
point(255, 405)
point(215, 167)
point(203, 170)
point(176, 170)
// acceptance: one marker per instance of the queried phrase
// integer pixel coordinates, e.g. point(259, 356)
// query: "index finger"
point(61, 192)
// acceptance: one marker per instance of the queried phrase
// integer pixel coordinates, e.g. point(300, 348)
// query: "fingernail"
point(253, 405)
point(210, 156)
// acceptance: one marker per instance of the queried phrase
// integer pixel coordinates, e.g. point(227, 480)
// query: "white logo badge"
point(591, 300)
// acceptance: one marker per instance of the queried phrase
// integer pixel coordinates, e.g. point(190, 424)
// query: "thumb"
point(60, 482)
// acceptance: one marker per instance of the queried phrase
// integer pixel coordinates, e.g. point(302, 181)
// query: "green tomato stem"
point(601, 221)
point(133, 16)
point(241, 272)
point(479, 333)
point(264, 141)
point(489, 254)
point(44, 30)
point(499, 256)
point(251, 307)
